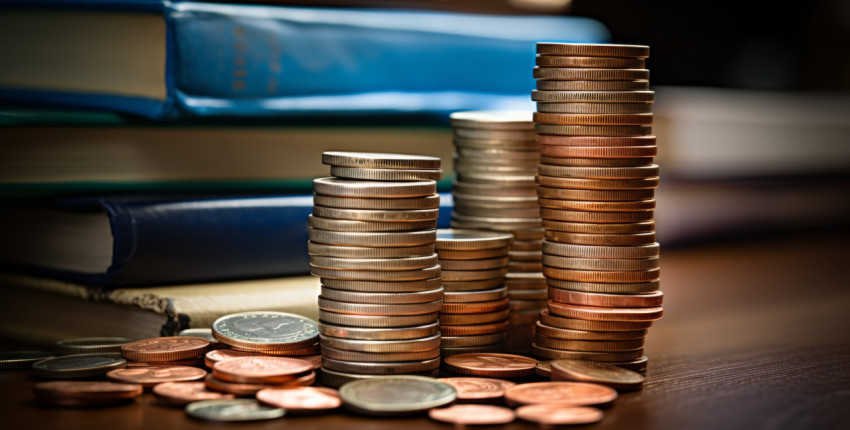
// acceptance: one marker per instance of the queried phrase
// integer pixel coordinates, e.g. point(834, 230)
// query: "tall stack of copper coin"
point(475, 310)
point(372, 235)
point(496, 159)
point(596, 183)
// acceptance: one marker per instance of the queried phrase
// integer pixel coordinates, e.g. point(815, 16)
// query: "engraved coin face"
point(396, 395)
point(490, 364)
point(233, 410)
point(559, 414)
point(572, 393)
point(301, 398)
point(181, 393)
point(473, 414)
point(478, 388)
point(273, 328)
point(157, 374)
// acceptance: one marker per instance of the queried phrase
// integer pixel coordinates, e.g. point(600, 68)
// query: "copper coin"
point(573, 393)
point(596, 141)
point(490, 364)
point(593, 119)
point(637, 365)
point(595, 195)
point(149, 376)
point(563, 333)
point(477, 318)
point(597, 162)
point(478, 388)
point(599, 373)
point(477, 275)
point(594, 130)
point(259, 370)
point(589, 217)
point(590, 251)
point(165, 348)
point(598, 151)
point(592, 97)
point(605, 314)
point(182, 393)
point(192, 362)
point(555, 107)
point(301, 398)
point(578, 61)
point(585, 85)
point(602, 276)
point(648, 300)
point(604, 264)
point(596, 184)
point(578, 205)
point(85, 393)
point(589, 345)
point(556, 414)
point(235, 388)
point(214, 356)
point(558, 321)
point(475, 307)
point(593, 49)
point(473, 329)
point(602, 357)
point(385, 368)
point(600, 228)
point(473, 415)
point(544, 369)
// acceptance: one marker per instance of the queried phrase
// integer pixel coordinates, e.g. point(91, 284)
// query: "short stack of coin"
point(496, 159)
point(596, 183)
point(475, 310)
point(372, 235)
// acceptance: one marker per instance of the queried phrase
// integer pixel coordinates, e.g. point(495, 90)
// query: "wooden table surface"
point(756, 334)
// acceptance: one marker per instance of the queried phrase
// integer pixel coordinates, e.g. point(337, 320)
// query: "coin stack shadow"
point(475, 312)
point(372, 235)
point(496, 159)
point(596, 183)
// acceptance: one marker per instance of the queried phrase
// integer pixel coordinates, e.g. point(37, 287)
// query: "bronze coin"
point(301, 398)
point(594, 130)
point(647, 300)
point(553, 320)
point(595, 195)
point(150, 376)
point(182, 393)
point(475, 307)
point(600, 228)
point(165, 348)
point(593, 313)
point(602, 276)
point(555, 107)
point(597, 184)
point(455, 254)
point(591, 217)
point(592, 97)
point(598, 151)
point(85, 393)
point(593, 49)
point(593, 119)
point(599, 373)
point(475, 318)
point(542, 329)
point(192, 362)
point(603, 357)
point(579, 205)
point(628, 239)
point(572, 393)
point(477, 275)
point(596, 141)
point(489, 364)
point(609, 288)
point(601, 62)
point(216, 355)
point(547, 414)
point(478, 388)
point(597, 162)
point(381, 368)
point(589, 345)
point(261, 370)
point(636, 365)
point(473, 329)
point(473, 415)
point(235, 388)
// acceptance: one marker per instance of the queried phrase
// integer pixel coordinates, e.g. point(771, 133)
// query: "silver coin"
point(17, 360)
point(78, 366)
point(266, 328)
point(204, 333)
point(91, 345)
point(232, 410)
point(396, 395)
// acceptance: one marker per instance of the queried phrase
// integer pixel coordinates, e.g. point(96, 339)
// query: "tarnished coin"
point(472, 254)
point(387, 174)
point(375, 240)
point(321, 249)
point(396, 395)
point(483, 284)
point(17, 360)
point(473, 275)
point(553, 414)
point(486, 142)
point(373, 189)
point(594, 313)
point(579, 61)
point(182, 393)
point(232, 410)
point(480, 264)
point(599, 373)
point(372, 160)
point(77, 366)
point(91, 345)
point(593, 49)
point(428, 202)
point(301, 398)
point(636, 365)
point(472, 340)
point(496, 189)
point(495, 365)
point(266, 331)
point(161, 349)
point(565, 215)
point(599, 172)
point(572, 393)
point(495, 348)
point(473, 415)
point(261, 370)
point(597, 152)
point(492, 120)
point(478, 389)
point(150, 376)
point(455, 239)
point(597, 162)
point(306, 350)
point(85, 393)
point(593, 251)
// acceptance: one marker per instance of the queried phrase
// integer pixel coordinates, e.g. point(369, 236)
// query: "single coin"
point(378, 357)
point(367, 226)
point(506, 179)
point(473, 265)
point(594, 130)
point(589, 345)
point(402, 333)
point(526, 295)
point(381, 368)
point(455, 239)
point(91, 345)
point(473, 415)
point(85, 393)
point(379, 264)
point(527, 305)
point(472, 340)
point(371, 160)
point(261, 370)
point(562, 333)
point(376, 321)
point(613, 264)
point(516, 212)
point(525, 255)
point(599, 373)
point(597, 162)
point(203, 333)
point(593, 49)
point(386, 174)
point(492, 120)
point(553, 414)
point(544, 369)
point(591, 206)
point(637, 365)
point(78, 366)
point(165, 349)
point(489, 364)
point(382, 346)
point(475, 296)
point(559, 214)
point(485, 284)
point(493, 189)
point(485, 134)
point(599, 172)
point(525, 281)
point(182, 393)
point(373, 189)
point(595, 195)
point(497, 154)
point(525, 234)
point(377, 275)
point(597, 151)
point(17, 360)
point(499, 202)
point(446, 352)
point(589, 74)
point(554, 320)
point(597, 184)
point(428, 202)
point(593, 251)
point(592, 108)
point(382, 298)
point(150, 376)
point(595, 313)
point(647, 300)
point(382, 309)
point(602, 276)
point(473, 275)
point(608, 288)
point(592, 97)
point(588, 85)
point(383, 286)
point(474, 318)
point(604, 357)
point(600, 228)
point(238, 389)
point(407, 215)
point(396, 395)
point(525, 266)
point(376, 240)
point(474, 329)
point(629, 239)
point(525, 144)
point(216, 355)
point(490, 165)
point(602, 62)
point(475, 307)
point(337, 251)
point(573, 393)
point(596, 141)
point(232, 410)
point(266, 331)
point(472, 254)
point(478, 389)
point(301, 398)
point(305, 350)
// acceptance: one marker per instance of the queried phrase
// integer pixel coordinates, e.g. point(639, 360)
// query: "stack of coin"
point(372, 236)
point(496, 160)
point(595, 186)
point(475, 310)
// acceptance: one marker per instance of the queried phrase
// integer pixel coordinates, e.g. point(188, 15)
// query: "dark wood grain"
point(756, 334)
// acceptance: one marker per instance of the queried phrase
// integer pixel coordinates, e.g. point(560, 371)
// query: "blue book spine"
point(237, 60)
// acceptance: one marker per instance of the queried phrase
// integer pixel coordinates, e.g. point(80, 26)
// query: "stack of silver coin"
point(475, 310)
point(496, 161)
point(372, 235)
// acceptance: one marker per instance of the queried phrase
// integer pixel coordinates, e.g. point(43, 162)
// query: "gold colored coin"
point(376, 321)
point(595, 313)
point(563, 333)
point(600, 228)
point(475, 318)
point(475, 307)
point(405, 263)
point(595, 195)
point(601, 276)
point(593, 50)
point(553, 320)
point(376, 240)
point(377, 275)
point(368, 252)
point(599, 172)
point(628, 239)
point(603, 357)
point(428, 202)
point(606, 264)
point(382, 298)
point(367, 333)
point(593, 96)
point(598, 151)
point(593, 251)
point(597, 162)
point(382, 346)
point(386, 174)
point(591, 108)
point(589, 345)
point(599, 287)
point(591, 217)
point(473, 340)
point(578, 205)
point(484, 264)
point(638, 85)
point(600, 141)
point(379, 310)
point(589, 74)
point(597, 62)
point(597, 184)
point(383, 286)
point(471, 254)
point(378, 357)
point(373, 189)
point(409, 215)
point(331, 224)
point(485, 134)
point(647, 300)
point(594, 130)
point(477, 275)
point(379, 160)
point(492, 120)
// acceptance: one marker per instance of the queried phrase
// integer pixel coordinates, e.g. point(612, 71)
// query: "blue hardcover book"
point(126, 241)
point(165, 59)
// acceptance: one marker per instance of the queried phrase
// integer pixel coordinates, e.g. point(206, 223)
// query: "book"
point(122, 241)
point(38, 310)
point(164, 59)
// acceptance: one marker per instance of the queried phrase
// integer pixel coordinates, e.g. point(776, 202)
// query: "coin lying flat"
point(78, 366)
point(595, 313)
point(636, 85)
point(554, 320)
point(150, 376)
point(165, 349)
point(455, 239)
point(373, 189)
point(473, 415)
point(593, 49)
point(14, 360)
point(371, 160)
point(387, 174)
point(493, 120)
point(182, 393)
point(266, 331)
point(599, 373)
point(383, 368)
point(377, 321)
point(579, 61)
point(383, 346)
point(572, 393)
point(555, 414)
point(325, 250)
point(589, 74)
point(204, 333)
point(396, 395)
point(562, 333)
point(301, 398)
point(399, 263)
point(478, 388)
point(85, 393)
point(239, 389)
point(369, 333)
point(216, 355)
point(647, 300)
point(261, 370)
point(232, 410)
point(91, 345)
point(490, 364)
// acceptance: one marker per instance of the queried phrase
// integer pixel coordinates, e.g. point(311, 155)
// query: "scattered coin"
point(396, 395)
point(182, 393)
point(16, 360)
point(232, 410)
point(261, 370)
point(549, 414)
point(301, 398)
point(150, 376)
point(572, 393)
point(91, 345)
point(165, 349)
point(77, 366)
point(599, 373)
point(473, 415)
point(85, 393)
point(489, 364)
point(478, 388)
